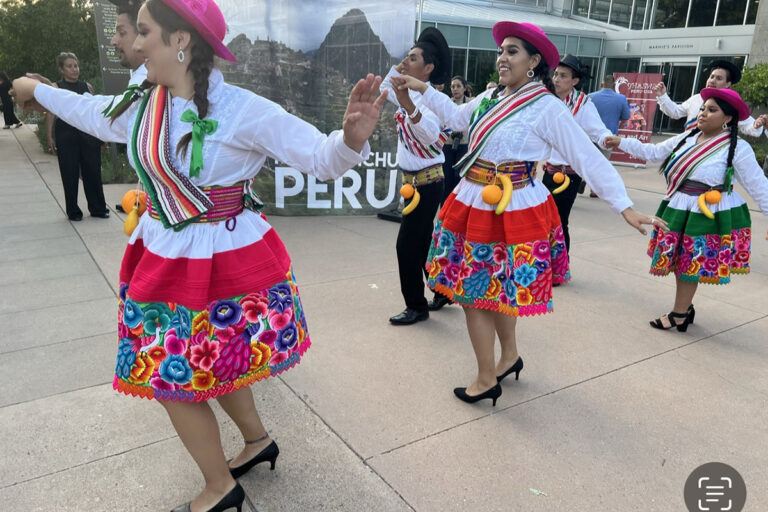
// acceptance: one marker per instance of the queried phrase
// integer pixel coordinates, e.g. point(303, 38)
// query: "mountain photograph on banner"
point(307, 60)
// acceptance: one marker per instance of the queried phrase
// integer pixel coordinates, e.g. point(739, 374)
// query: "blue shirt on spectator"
point(612, 108)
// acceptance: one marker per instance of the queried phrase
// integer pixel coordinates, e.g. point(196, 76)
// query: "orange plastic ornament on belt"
point(407, 191)
point(558, 177)
point(135, 198)
point(491, 194)
point(713, 196)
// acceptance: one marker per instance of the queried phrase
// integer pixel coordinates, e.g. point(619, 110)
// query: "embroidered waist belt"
point(485, 173)
point(425, 176)
point(552, 169)
point(227, 203)
point(695, 188)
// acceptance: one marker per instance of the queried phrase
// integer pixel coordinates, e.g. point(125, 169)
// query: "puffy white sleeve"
point(749, 173)
point(561, 132)
point(453, 116)
point(267, 128)
point(650, 152)
point(671, 108)
point(589, 120)
point(747, 127)
point(84, 112)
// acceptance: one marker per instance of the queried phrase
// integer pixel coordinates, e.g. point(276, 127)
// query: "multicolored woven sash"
point(408, 138)
point(484, 172)
point(431, 174)
point(691, 123)
point(575, 101)
point(552, 169)
point(681, 165)
point(227, 202)
point(175, 198)
point(493, 117)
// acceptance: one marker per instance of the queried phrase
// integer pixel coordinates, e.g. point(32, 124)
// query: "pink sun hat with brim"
point(530, 33)
point(729, 96)
point(207, 19)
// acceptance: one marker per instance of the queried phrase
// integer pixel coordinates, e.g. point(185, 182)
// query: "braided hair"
point(200, 64)
point(733, 130)
point(540, 72)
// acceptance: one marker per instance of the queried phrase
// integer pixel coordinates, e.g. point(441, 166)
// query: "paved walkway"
point(608, 415)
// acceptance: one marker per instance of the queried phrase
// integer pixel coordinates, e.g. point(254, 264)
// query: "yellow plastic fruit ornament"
point(491, 194)
point(563, 178)
point(713, 196)
point(506, 195)
point(407, 191)
point(414, 202)
point(703, 207)
point(131, 221)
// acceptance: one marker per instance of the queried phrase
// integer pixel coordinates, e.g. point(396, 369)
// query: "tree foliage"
point(34, 32)
point(753, 85)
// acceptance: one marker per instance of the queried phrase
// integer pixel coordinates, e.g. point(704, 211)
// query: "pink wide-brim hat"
point(207, 19)
point(530, 33)
point(729, 96)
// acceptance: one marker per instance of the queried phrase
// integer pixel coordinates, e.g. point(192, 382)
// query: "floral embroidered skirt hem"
point(170, 352)
point(504, 263)
point(698, 249)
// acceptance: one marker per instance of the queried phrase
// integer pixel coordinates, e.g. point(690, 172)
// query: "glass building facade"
point(652, 14)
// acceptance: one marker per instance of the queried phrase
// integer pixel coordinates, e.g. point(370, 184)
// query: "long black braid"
point(540, 72)
point(200, 65)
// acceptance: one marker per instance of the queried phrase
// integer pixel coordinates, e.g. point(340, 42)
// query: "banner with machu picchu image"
point(306, 55)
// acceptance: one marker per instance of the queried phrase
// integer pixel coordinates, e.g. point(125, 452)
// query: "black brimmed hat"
point(433, 42)
point(733, 71)
point(573, 62)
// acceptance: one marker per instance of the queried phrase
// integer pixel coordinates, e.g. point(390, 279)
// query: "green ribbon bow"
point(200, 128)
point(484, 105)
point(130, 92)
point(728, 180)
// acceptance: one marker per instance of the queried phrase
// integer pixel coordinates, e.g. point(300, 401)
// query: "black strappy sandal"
point(671, 316)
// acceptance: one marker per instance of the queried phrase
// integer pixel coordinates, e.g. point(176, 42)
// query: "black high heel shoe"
point(233, 499)
point(494, 393)
point(516, 368)
point(691, 314)
point(671, 317)
point(268, 454)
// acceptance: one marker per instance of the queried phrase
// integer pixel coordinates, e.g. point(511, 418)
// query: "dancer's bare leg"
point(482, 333)
point(239, 406)
point(199, 431)
point(684, 292)
point(505, 329)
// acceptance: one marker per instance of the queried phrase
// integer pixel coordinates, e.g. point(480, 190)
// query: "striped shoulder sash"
point(681, 166)
point(487, 121)
point(575, 101)
point(408, 138)
point(177, 200)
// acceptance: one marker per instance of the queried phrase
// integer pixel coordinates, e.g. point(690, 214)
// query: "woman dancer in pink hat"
point(208, 300)
point(710, 230)
point(495, 254)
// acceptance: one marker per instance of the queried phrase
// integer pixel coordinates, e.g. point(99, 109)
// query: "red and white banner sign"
point(638, 89)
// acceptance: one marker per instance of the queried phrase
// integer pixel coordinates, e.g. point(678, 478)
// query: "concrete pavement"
point(608, 415)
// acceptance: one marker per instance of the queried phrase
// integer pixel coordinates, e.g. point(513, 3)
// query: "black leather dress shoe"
point(409, 316)
point(104, 215)
point(438, 302)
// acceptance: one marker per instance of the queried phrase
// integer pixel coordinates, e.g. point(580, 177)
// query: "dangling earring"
point(530, 73)
point(180, 56)
point(725, 126)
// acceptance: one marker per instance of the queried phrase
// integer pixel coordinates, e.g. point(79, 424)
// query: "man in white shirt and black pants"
point(420, 158)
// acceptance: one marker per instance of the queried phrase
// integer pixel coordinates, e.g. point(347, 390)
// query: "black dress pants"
point(80, 154)
point(451, 175)
point(413, 241)
point(564, 201)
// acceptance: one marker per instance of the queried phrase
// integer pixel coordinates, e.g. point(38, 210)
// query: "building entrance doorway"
point(679, 77)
